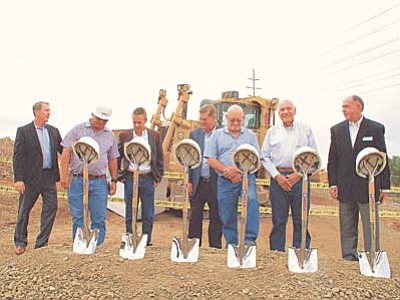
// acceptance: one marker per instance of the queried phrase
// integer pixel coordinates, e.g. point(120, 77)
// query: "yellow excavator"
point(259, 116)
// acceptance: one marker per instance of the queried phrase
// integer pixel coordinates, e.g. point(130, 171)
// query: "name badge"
point(368, 139)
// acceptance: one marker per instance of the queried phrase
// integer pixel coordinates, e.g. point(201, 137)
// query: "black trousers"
point(204, 195)
point(48, 190)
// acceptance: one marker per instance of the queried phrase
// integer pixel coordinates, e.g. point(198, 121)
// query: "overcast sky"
point(76, 54)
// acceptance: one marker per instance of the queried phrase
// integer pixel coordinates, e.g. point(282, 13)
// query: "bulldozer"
point(259, 115)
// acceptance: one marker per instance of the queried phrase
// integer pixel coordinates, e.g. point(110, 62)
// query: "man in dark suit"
point(36, 172)
point(149, 176)
point(348, 138)
point(203, 184)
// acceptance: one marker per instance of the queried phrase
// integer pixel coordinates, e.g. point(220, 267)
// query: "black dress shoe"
point(149, 245)
point(216, 247)
point(350, 258)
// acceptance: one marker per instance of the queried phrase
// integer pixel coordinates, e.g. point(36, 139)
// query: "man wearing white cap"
point(72, 170)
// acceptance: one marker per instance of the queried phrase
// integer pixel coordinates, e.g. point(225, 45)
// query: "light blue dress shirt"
point(44, 140)
point(280, 144)
point(222, 144)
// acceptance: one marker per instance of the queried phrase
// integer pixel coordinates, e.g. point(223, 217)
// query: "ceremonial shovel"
point(85, 241)
point(246, 159)
point(188, 154)
point(371, 162)
point(133, 245)
point(302, 260)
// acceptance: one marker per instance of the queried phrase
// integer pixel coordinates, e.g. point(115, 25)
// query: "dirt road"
point(55, 272)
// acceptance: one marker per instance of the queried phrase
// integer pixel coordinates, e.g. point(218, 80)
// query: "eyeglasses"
point(235, 120)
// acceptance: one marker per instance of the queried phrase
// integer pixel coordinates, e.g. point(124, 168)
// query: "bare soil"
point(54, 272)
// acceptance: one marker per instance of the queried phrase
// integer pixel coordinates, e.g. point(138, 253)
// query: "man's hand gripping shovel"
point(371, 162)
point(303, 260)
point(85, 241)
point(133, 245)
point(188, 154)
point(247, 161)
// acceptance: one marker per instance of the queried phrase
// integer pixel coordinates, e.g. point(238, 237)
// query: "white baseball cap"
point(103, 112)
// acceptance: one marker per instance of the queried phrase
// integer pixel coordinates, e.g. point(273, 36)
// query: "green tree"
point(394, 165)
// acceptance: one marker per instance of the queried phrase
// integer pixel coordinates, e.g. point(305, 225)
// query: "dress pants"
point(205, 195)
point(349, 216)
point(280, 203)
point(46, 187)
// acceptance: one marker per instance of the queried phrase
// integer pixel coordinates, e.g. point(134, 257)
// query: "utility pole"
point(254, 88)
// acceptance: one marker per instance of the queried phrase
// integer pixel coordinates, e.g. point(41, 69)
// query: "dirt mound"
point(55, 272)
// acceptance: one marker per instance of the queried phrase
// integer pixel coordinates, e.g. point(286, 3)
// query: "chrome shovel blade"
point(380, 267)
point(178, 253)
point(297, 264)
point(247, 260)
point(128, 251)
point(82, 245)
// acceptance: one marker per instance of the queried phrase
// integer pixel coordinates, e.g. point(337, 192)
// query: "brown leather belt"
point(146, 175)
point(91, 176)
point(285, 170)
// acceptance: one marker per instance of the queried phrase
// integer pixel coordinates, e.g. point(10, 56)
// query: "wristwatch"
point(114, 180)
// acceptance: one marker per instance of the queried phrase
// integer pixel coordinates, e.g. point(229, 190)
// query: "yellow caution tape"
point(262, 209)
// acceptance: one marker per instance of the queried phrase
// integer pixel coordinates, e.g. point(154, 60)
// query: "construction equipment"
point(306, 162)
point(85, 241)
point(247, 160)
point(259, 116)
point(133, 245)
point(161, 105)
point(370, 162)
point(188, 154)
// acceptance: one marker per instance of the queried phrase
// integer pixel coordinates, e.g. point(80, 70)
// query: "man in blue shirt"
point(280, 143)
point(35, 164)
point(219, 154)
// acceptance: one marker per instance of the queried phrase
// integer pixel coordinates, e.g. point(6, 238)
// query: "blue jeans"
point(228, 197)
point(280, 202)
point(98, 192)
point(146, 195)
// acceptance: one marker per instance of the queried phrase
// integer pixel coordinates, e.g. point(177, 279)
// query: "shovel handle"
point(135, 203)
point(86, 213)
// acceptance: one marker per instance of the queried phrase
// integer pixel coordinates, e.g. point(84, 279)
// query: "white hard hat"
point(370, 161)
point(187, 153)
point(246, 158)
point(86, 149)
point(103, 112)
point(306, 159)
point(138, 152)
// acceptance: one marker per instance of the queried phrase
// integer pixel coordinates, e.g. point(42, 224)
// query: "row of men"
point(216, 181)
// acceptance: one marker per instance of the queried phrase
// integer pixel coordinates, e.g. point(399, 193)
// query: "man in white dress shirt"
point(278, 148)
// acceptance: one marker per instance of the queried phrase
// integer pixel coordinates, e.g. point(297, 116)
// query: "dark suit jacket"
point(28, 157)
point(157, 156)
point(198, 135)
point(342, 160)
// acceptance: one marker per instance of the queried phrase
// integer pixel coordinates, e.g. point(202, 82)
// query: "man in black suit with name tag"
point(348, 138)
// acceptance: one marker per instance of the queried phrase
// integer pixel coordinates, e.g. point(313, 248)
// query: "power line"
point(366, 21)
point(366, 83)
point(381, 88)
point(380, 45)
point(363, 78)
point(361, 62)
point(367, 34)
